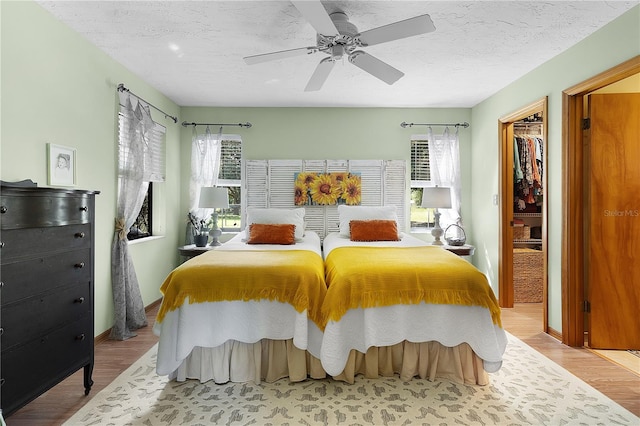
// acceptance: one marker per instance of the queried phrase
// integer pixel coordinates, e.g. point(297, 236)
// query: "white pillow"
point(349, 213)
point(277, 217)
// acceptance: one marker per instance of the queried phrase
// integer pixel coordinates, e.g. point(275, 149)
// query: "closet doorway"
point(523, 207)
point(579, 214)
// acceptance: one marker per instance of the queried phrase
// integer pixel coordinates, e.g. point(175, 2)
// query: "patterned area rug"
point(530, 389)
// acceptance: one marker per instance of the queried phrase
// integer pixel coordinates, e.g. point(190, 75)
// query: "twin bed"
point(368, 301)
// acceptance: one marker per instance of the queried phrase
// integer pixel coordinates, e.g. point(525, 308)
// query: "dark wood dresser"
point(46, 290)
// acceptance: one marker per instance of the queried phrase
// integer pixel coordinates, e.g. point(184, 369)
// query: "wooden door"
point(613, 227)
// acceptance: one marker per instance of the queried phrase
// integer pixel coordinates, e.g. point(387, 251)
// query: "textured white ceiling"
point(192, 50)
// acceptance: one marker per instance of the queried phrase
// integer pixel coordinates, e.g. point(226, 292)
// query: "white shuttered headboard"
point(270, 184)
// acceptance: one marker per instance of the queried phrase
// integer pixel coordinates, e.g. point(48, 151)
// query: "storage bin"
point(527, 275)
point(521, 232)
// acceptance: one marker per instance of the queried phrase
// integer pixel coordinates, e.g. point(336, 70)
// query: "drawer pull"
point(3, 209)
point(1, 331)
point(80, 337)
point(79, 235)
point(2, 244)
point(1, 381)
point(84, 208)
point(79, 265)
point(79, 300)
point(1, 284)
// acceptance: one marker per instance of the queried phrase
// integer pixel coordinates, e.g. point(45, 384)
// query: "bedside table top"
point(191, 250)
point(464, 250)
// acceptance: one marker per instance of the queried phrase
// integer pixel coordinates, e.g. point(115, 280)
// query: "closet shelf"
point(529, 241)
point(527, 214)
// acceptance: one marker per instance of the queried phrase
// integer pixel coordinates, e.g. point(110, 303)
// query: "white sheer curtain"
point(444, 162)
point(205, 165)
point(136, 126)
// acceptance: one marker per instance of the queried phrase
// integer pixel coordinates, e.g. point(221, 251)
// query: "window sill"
point(145, 239)
point(420, 230)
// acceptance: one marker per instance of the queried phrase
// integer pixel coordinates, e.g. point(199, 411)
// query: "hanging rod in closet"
point(121, 88)
point(247, 124)
point(465, 124)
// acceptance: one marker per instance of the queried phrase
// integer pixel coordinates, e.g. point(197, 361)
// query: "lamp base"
point(215, 234)
point(437, 232)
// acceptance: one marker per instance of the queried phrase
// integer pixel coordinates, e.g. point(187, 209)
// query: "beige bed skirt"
point(272, 360)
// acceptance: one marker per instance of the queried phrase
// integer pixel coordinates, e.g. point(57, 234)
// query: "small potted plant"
point(200, 231)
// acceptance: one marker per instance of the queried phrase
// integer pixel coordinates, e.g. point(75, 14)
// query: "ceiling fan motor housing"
point(345, 42)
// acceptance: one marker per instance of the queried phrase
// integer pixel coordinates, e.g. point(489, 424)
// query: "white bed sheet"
point(310, 241)
point(449, 325)
point(334, 240)
point(212, 324)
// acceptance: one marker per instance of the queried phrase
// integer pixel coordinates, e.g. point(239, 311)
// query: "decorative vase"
point(201, 240)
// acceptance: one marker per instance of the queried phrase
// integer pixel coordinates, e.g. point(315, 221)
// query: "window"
point(142, 226)
point(229, 176)
point(154, 170)
point(420, 178)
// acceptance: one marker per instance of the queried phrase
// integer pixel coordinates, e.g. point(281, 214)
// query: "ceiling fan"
point(337, 37)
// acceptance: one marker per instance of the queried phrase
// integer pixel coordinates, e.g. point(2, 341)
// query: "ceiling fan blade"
point(320, 75)
point(375, 67)
point(315, 13)
point(265, 57)
point(409, 27)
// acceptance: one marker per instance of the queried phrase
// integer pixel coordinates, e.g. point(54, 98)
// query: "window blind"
point(230, 171)
point(154, 149)
point(420, 169)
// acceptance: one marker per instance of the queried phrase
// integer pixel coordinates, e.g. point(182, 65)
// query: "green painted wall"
point(329, 133)
point(58, 88)
point(611, 45)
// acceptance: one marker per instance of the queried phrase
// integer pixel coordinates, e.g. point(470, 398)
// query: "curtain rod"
point(465, 124)
point(247, 124)
point(121, 88)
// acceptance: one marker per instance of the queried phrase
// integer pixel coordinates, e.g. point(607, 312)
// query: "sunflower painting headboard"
point(272, 184)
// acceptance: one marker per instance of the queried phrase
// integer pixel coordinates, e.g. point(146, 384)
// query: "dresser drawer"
point(20, 243)
point(29, 370)
point(25, 278)
point(36, 210)
point(36, 316)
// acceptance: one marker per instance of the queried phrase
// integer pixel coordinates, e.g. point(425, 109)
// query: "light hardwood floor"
point(524, 321)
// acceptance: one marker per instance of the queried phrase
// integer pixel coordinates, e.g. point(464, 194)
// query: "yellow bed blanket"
point(369, 277)
point(290, 276)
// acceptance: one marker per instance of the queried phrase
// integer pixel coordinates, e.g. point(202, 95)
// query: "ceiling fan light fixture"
point(337, 51)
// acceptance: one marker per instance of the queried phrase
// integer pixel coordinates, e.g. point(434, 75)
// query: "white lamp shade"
point(438, 198)
point(213, 197)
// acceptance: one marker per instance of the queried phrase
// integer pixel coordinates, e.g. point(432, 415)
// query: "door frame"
point(505, 264)
point(574, 183)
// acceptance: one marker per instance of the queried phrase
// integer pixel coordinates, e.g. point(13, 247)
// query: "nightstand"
point(191, 250)
point(465, 250)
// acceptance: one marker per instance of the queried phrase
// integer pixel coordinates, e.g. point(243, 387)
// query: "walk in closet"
point(528, 201)
point(523, 207)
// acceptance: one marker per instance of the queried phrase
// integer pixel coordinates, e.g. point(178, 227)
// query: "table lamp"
point(213, 197)
point(436, 198)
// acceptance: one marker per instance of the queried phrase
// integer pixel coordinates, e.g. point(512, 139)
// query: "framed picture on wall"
point(61, 165)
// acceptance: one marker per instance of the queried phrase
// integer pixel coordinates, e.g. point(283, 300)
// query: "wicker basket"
point(521, 232)
point(452, 239)
point(527, 275)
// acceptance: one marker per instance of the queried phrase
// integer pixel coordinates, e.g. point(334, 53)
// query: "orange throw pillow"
point(373, 230)
point(260, 233)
